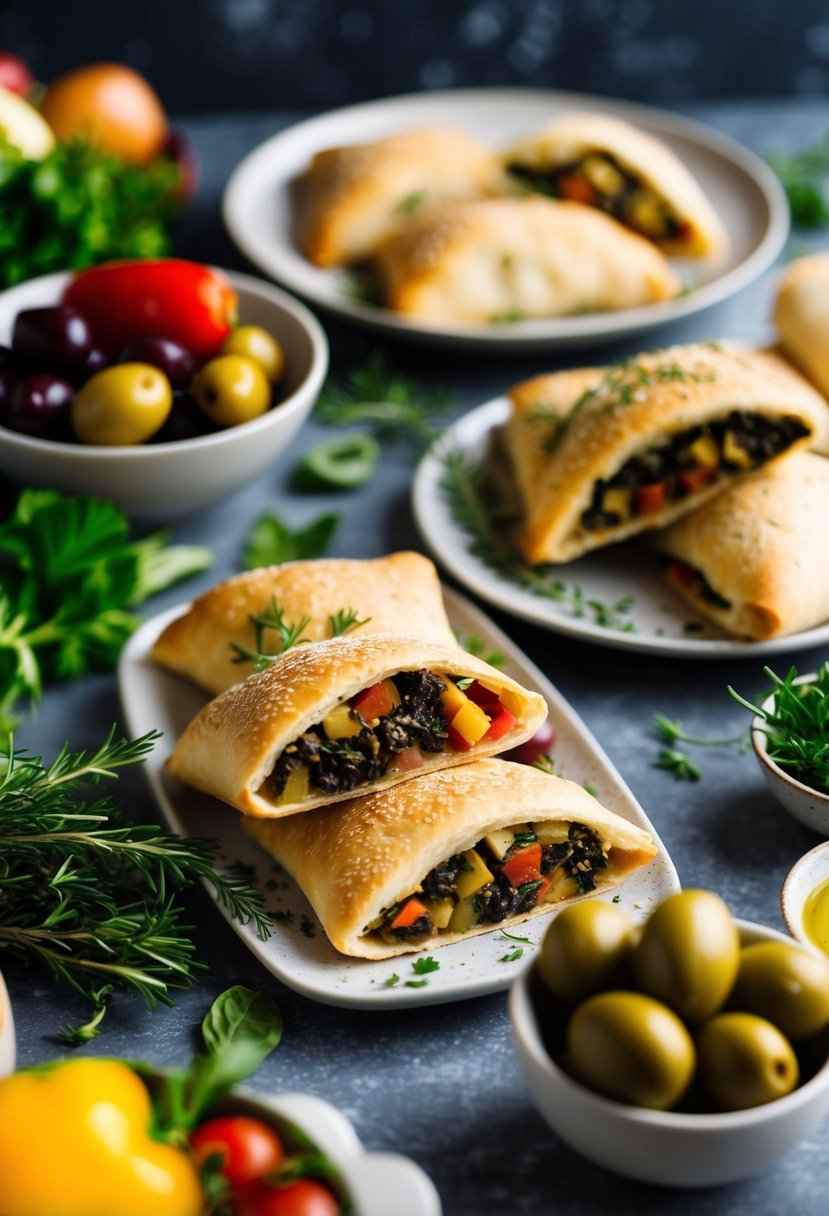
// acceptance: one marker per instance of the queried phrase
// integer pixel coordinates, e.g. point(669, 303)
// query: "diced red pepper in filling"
point(410, 758)
point(483, 696)
point(457, 740)
point(695, 479)
point(523, 866)
point(650, 498)
point(546, 883)
point(682, 574)
point(501, 725)
point(577, 189)
point(373, 702)
point(411, 911)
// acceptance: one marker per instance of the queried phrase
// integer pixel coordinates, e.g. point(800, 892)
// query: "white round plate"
point(298, 953)
point(258, 209)
point(621, 582)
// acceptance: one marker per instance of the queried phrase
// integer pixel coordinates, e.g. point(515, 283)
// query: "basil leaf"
point(272, 542)
point(238, 1014)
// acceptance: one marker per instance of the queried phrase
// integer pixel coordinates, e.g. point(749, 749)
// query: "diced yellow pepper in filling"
point(440, 911)
point(475, 876)
point(471, 722)
point(617, 499)
point(552, 833)
point(297, 785)
point(733, 453)
point(452, 699)
point(340, 723)
point(704, 451)
point(465, 916)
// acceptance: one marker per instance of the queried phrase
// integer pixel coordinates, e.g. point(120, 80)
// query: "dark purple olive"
point(7, 383)
point(95, 361)
point(39, 407)
point(185, 421)
point(175, 361)
point(51, 339)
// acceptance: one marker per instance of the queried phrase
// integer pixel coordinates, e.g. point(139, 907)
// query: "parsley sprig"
point(69, 576)
point(93, 900)
point(671, 731)
point(804, 176)
point(393, 406)
point(272, 542)
point(797, 725)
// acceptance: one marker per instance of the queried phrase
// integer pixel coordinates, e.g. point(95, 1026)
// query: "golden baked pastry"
point(600, 454)
point(350, 714)
point(801, 314)
point(755, 559)
point(507, 259)
point(397, 594)
point(608, 163)
point(451, 855)
point(352, 197)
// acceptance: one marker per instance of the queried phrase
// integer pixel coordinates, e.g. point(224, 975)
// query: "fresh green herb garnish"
point(682, 767)
point(412, 203)
point(477, 509)
point(546, 764)
point(422, 966)
point(344, 620)
point(797, 725)
point(393, 405)
point(475, 645)
point(271, 542)
point(94, 902)
point(510, 317)
point(391, 980)
point(271, 620)
point(68, 579)
point(670, 730)
point(617, 899)
point(512, 956)
point(513, 937)
point(340, 464)
point(465, 683)
point(803, 176)
point(77, 207)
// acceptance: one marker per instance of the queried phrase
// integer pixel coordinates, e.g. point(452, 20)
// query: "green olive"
point(122, 405)
point(232, 389)
point(744, 1061)
point(254, 342)
point(688, 954)
point(632, 1048)
point(586, 948)
point(787, 985)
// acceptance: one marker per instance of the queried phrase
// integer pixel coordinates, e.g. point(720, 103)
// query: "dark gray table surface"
point(442, 1083)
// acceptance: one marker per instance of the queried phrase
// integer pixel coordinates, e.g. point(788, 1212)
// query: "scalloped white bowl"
point(808, 872)
point(161, 481)
point(664, 1147)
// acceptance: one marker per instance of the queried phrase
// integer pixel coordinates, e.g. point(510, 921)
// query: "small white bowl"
point(160, 481)
point(807, 805)
point(377, 1183)
point(7, 1042)
point(663, 1147)
point(809, 872)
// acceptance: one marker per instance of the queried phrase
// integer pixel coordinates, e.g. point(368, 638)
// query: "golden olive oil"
point(816, 915)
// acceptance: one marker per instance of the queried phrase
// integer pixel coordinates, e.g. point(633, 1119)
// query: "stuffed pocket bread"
point(454, 853)
point(801, 314)
point(755, 559)
point(397, 594)
point(352, 197)
point(608, 163)
point(351, 714)
point(513, 258)
point(600, 454)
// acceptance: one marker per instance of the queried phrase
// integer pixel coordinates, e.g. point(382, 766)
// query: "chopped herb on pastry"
point(507, 259)
point(755, 559)
point(350, 714)
point(350, 198)
point(801, 314)
point(607, 163)
point(453, 854)
point(600, 454)
point(214, 642)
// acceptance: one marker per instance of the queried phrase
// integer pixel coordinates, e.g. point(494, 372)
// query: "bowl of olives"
point(159, 429)
point(691, 1051)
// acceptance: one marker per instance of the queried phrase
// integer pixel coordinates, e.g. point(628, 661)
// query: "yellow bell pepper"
point(74, 1141)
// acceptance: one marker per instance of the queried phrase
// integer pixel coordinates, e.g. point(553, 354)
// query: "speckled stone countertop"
point(442, 1083)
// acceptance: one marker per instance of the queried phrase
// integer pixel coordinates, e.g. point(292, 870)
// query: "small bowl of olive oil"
point(804, 898)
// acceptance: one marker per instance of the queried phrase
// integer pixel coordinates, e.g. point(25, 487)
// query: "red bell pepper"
point(373, 702)
point(500, 725)
point(650, 498)
point(523, 866)
point(681, 574)
point(577, 189)
point(183, 301)
point(411, 911)
point(483, 696)
point(696, 478)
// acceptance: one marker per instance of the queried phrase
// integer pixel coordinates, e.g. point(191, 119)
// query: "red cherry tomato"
point(304, 1197)
point(249, 1147)
point(541, 743)
point(14, 75)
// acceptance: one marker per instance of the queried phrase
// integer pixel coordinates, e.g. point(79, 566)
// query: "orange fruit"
point(110, 105)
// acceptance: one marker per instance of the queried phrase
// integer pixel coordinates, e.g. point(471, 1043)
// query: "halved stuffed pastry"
point(352, 197)
point(608, 163)
point(600, 454)
point(755, 559)
point(801, 314)
point(506, 259)
point(452, 854)
point(350, 714)
point(214, 642)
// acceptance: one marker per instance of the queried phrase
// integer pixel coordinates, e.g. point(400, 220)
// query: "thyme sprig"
point(670, 730)
point(392, 405)
point(272, 619)
point(475, 507)
point(797, 725)
point(94, 901)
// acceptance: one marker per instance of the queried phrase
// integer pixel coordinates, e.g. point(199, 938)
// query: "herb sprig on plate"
point(797, 725)
point(804, 176)
point(271, 541)
point(91, 899)
point(393, 406)
point(676, 761)
point(289, 634)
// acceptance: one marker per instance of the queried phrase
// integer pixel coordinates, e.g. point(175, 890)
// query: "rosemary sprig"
point(392, 405)
point(797, 725)
point(475, 507)
point(342, 621)
point(92, 901)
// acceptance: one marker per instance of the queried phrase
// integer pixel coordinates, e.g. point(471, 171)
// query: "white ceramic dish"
point(258, 209)
point(7, 1040)
point(378, 1183)
point(662, 623)
point(810, 807)
point(299, 953)
point(159, 481)
point(808, 872)
point(664, 1147)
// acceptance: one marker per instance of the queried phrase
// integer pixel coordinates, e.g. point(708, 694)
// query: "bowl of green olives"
point(690, 1051)
point(159, 428)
